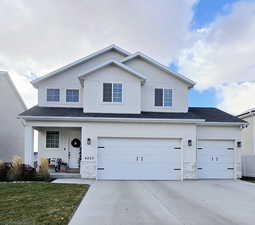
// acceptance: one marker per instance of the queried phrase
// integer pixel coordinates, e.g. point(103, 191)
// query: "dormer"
point(112, 88)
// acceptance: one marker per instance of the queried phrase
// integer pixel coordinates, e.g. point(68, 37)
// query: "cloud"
point(222, 56)
point(39, 36)
point(236, 98)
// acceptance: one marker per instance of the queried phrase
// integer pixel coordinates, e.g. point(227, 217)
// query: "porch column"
point(29, 145)
point(89, 152)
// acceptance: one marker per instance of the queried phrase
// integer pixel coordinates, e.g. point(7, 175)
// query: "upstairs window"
point(112, 92)
point(72, 95)
point(163, 97)
point(52, 139)
point(53, 95)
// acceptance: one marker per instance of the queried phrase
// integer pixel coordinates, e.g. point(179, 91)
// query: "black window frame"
point(159, 97)
point(51, 142)
point(72, 97)
point(50, 97)
point(109, 92)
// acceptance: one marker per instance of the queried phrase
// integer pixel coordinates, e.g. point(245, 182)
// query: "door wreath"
point(76, 143)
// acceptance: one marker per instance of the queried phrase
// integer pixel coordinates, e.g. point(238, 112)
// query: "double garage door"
point(139, 159)
point(160, 159)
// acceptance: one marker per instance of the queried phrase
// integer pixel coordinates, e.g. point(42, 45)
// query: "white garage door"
point(139, 159)
point(215, 159)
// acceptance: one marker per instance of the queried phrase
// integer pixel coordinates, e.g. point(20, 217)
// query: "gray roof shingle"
point(208, 114)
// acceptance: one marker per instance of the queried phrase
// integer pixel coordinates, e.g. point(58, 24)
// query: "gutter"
point(239, 124)
point(201, 122)
point(247, 114)
point(103, 119)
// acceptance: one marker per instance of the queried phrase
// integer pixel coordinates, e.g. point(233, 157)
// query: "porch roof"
point(194, 113)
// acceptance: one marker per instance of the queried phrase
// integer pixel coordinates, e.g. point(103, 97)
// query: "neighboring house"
point(248, 134)
point(248, 142)
point(11, 129)
point(131, 115)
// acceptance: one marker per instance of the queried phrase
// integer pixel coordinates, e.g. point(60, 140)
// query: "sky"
point(210, 42)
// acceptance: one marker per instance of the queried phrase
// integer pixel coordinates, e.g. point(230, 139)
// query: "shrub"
point(28, 173)
point(4, 168)
point(44, 169)
point(16, 162)
point(19, 171)
point(15, 173)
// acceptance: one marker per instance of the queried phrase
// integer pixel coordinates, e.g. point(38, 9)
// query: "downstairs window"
point(52, 139)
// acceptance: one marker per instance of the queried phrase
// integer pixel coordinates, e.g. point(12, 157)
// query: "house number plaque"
point(89, 158)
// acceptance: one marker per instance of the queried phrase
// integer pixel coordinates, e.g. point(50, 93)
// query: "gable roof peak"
point(8, 79)
point(160, 66)
point(81, 60)
point(116, 63)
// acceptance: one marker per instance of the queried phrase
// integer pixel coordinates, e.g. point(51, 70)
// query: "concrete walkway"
point(73, 181)
point(167, 203)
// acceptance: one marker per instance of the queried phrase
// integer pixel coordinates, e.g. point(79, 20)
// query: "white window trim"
point(59, 145)
point(73, 103)
point(112, 103)
point(47, 95)
point(163, 96)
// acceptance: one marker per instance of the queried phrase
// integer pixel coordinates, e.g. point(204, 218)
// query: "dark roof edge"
point(246, 113)
point(202, 114)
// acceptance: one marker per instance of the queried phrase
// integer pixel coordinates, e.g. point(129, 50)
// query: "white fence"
point(248, 166)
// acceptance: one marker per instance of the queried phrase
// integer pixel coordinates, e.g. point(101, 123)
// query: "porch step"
point(65, 175)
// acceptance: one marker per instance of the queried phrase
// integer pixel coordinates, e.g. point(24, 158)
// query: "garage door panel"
point(224, 174)
point(136, 173)
point(203, 156)
point(139, 159)
point(215, 159)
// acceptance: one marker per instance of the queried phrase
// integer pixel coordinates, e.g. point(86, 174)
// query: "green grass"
point(39, 203)
point(248, 179)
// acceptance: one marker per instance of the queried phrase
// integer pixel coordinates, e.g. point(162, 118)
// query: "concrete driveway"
point(210, 202)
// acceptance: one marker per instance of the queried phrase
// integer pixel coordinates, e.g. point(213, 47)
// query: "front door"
point(74, 149)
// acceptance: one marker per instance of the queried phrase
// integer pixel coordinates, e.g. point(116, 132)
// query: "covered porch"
point(60, 143)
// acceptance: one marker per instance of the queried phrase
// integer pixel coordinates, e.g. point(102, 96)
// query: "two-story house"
point(117, 115)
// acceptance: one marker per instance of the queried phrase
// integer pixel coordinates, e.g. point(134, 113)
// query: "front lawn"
point(248, 179)
point(39, 203)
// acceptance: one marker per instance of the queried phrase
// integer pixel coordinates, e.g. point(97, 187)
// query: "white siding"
point(248, 137)
point(69, 79)
point(11, 129)
point(93, 91)
point(156, 78)
point(142, 98)
point(248, 146)
point(248, 165)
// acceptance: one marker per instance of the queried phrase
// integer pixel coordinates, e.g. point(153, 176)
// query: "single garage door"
point(139, 159)
point(215, 159)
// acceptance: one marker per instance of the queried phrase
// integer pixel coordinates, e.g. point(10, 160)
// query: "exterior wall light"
point(189, 142)
point(239, 144)
point(88, 141)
